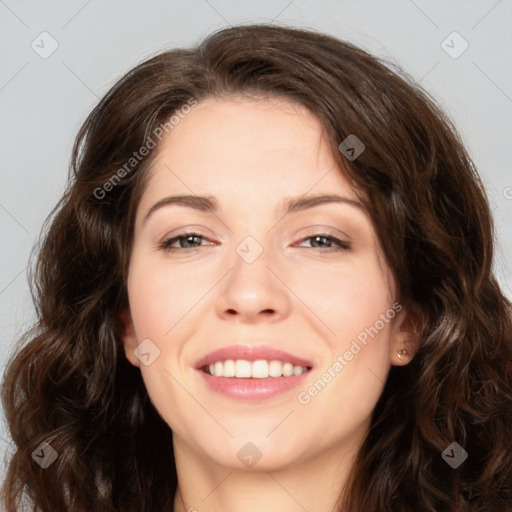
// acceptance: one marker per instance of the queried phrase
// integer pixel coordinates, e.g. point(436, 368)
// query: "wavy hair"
point(70, 385)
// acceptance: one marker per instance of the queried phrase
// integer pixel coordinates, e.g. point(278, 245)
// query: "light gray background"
point(44, 101)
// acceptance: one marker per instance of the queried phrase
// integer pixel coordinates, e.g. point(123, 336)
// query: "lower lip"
point(253, 389)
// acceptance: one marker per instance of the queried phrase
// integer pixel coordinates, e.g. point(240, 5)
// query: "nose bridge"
point(251, 287)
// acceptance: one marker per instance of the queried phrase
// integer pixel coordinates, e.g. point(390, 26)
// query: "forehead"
point(258, 145)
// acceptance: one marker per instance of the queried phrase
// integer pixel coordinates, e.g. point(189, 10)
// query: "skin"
point(302, 295)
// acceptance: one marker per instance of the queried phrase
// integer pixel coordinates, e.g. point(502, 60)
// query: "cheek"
point(161, 297)
point(161, 303)
point(345, 300)
point(357, 308)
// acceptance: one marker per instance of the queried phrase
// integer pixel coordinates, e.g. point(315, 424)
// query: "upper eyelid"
point(183, 234)
point(321, 230)
point(325, 233)
point(336, 239)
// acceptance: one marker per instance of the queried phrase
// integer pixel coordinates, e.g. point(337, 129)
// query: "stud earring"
point(400, 352)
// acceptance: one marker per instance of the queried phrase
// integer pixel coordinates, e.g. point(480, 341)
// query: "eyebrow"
point(210, 204)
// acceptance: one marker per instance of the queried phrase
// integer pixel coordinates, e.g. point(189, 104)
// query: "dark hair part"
point(71, 386)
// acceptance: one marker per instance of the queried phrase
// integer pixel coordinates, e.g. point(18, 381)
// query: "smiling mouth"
point(259, 369)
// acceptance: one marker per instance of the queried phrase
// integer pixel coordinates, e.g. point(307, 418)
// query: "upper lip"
point(251, 353)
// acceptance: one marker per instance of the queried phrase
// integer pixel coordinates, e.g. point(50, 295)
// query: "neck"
point(314, 484)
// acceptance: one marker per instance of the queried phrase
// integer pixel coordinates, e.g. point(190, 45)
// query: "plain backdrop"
point(59, 57)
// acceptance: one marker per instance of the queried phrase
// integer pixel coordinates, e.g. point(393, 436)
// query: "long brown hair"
point(69, 384)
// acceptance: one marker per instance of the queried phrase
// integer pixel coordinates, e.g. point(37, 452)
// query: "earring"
point(400, 352)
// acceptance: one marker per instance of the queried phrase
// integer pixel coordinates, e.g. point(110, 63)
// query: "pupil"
point(191, 238)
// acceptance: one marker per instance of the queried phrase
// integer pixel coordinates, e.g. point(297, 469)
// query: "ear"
point(405, 337)
point(128, 337)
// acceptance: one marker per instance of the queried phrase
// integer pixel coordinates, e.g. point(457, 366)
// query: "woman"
point(268, 286)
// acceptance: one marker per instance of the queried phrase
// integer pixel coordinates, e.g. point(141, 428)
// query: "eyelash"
point(342, 246)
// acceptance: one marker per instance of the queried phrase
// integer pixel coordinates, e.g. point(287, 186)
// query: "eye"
point(333, 243)
point(191, 241)
point(185, 241)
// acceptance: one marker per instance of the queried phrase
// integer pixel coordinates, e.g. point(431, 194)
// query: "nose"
point(253, 292)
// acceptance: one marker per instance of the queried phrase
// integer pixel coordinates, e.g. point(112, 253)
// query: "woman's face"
point(273, 274)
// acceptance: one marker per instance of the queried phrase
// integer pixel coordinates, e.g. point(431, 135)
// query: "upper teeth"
point(260, 369)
